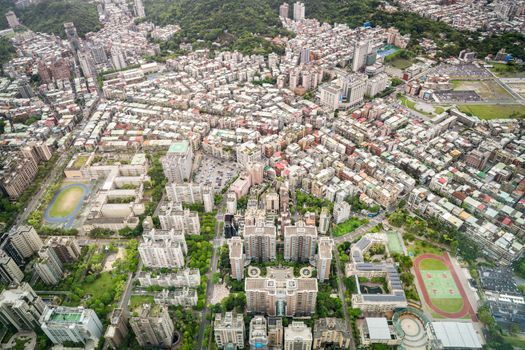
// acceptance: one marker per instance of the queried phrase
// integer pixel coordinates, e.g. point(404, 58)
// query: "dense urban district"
point(235, 174)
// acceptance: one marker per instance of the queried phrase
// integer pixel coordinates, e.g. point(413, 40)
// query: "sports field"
point(394, 244)
point(66, 201)
point(486, 89)
point(494, 111)
point(66, 204)
point(440, 286)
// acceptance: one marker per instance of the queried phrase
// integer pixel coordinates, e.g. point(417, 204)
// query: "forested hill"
point(238, 24)
point(247, 21)
point(49, 16)
point(450, 40)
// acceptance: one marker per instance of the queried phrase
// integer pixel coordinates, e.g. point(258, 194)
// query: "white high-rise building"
point(229, 331)
point(324, 221)
point(48, 266)
point(260, 242)
point(163, 249)
point(12, 20)
point(235, 246)
point(71, 324)
point(185, 192)
point(341, 212)
point(139, 9)
point(21, 308)
point(174, 217)
point(354, 87)
point(231, 203)
point(117, 58)
point(298, 11)
point(258, 338)
point(359, 57)
point(300, 242)
point(298, 336)
point(324, 258)
point(9, 270)
point(376, 84)
point(284, 9)
point(25, 240)
point(152, 326)
point(178, 161)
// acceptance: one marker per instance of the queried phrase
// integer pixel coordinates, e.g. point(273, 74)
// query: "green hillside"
point(49, 16)
point(237, 24)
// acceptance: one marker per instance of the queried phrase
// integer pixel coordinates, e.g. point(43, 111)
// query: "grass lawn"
point(494, 111)
point(448, 305)
point(98, 287)
point(400, 63)
point(138, 300)
point(66, 202)
point(432, 264)
point(418, 247)
point(405, 101)
point(80, 161)
point(348, 226)
point(507, 71)
point(516, 342)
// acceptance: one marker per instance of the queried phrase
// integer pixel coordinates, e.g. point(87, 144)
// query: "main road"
point(217, 242)
point(51, 178)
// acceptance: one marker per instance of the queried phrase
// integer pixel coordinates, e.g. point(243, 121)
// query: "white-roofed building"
point(378, 330)
point(454, 335)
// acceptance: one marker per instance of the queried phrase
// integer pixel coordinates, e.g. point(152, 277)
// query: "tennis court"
point(394, 243)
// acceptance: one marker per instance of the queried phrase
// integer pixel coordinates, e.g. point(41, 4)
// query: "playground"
point(440, 286)
point(66, 204)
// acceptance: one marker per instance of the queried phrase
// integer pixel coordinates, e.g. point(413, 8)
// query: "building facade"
point(71, 324)
point(228, 330)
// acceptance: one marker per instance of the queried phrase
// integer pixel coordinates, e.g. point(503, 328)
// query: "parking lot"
point(216, 172)
point(457, 96)
point(465, 71)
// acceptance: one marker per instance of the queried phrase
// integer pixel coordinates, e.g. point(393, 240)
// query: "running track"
point(467, 308)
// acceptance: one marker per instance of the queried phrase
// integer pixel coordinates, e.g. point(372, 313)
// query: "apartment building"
point(189, 193)
point(228, 330)
point(281, 294)
point(297, 336)
point(236, 256)
point(331, 332)
point(48, 266)
point(324, 258)
point(324, 221)
point(9, 270)
point(258, 337)
point(300, 242)
point(182, 278)
point(174, 217)
point(152, 325)
point(20, 307)
point(260, 242)
point(71, 324)
point(65, 247)
point(178, 161)
point(16, 174)
point(163, 248)
point(117, 330)
point(25, 240)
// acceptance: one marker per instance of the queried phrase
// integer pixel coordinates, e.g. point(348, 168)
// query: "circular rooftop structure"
point(254, 271)
point(306, 272)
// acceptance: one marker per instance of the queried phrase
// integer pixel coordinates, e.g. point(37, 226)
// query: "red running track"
point(467, 308)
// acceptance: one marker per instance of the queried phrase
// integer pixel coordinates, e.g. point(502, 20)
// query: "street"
point(210, 286)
